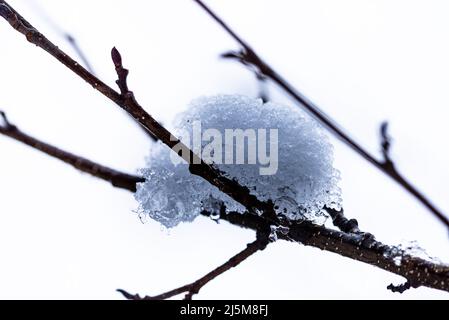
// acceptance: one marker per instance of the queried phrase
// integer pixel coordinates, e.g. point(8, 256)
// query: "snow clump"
point(287, 159)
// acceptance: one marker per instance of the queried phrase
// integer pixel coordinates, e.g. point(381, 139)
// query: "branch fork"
point(194, 288)
point(7, 126)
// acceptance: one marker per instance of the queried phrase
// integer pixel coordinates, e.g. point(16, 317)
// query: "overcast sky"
point(67, 235)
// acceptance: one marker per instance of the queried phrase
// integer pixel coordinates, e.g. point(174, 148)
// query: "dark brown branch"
point(122, 83)
point(193, 288)
point(360, 247)
point(7, 126)
point(116, 178)
point(66, 35)
point(250, 58)
point(385, 143)
point(399, 288)
point(128, 103)
point(341, 222)
point(122, 73)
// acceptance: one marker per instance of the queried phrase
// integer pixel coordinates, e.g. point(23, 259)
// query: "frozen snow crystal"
point(276, 230)
point(303, 183)
point(409, 249)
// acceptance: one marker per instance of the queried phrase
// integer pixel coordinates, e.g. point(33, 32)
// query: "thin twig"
point(116, 178)
point(79, 52)
point(263, 88)
point(74, 43)
point(250, 58)
point(193, 288)
point(400, 288)
point(122, 83)
point(385, 143)
point(341, 222)
point(70, 38)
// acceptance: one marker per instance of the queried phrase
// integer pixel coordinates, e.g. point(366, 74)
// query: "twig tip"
point(400, 288)
point(116, 57)
point(126, 294)
point(4, 122)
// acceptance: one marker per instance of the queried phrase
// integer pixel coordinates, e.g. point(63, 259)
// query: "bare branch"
point(116, 178)
point(7, 126)
point(385, 143)
point(400, 288)
point(66, 35)
point(248, 57)
point(341, 222)
point(359, 247)
point(122, 82)
point(193, 288)
point(121, 72)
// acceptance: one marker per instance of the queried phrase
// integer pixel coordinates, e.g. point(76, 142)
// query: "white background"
point(68, 235)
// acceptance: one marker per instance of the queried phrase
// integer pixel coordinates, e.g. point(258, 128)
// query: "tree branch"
point(360, 247)
point(193, 288)
point(66, 35)
point(400, 288)
point(385, 143)
point(341, 222)
point(116, 178)
point(122, 83)
point(248, 57)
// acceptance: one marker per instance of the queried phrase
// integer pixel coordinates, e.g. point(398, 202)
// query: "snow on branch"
point(128, 103)
point(248, 57)
point(260, 214)
point(277, 152)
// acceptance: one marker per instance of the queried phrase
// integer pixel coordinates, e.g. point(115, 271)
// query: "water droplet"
point(273, 237)
point(215, 216)
point(283, 229)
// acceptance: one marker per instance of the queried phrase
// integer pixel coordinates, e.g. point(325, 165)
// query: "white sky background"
point(66, 235)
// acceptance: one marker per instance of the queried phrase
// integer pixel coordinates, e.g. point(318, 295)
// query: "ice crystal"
point(408, 249)
point(303, 183)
